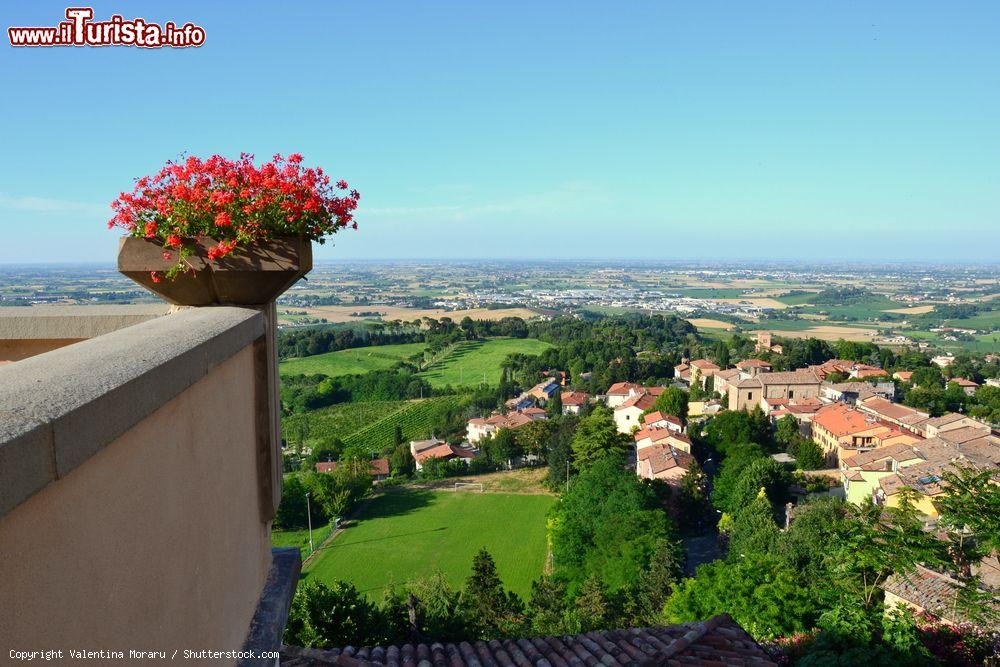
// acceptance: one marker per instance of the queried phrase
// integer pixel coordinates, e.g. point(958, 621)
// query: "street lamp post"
point(310, 518)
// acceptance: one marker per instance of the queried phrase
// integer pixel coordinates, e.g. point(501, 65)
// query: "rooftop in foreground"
point(717, 641)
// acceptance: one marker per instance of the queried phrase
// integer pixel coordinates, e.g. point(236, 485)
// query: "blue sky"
point(784, 130)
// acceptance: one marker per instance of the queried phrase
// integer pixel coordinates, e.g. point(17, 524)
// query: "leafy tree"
point(536, 437)
point(337, 491)
point(754, 531)
point(500, 448)
point(597, 438)
point(813, 537)
point(547, 609)
point(593, 609)
point(882, 541)
point(608, 523)
point(323, 616)
point(762, 473)
point(809, 456)
point(657, 582)
point(970, 515)
point(437, 607)
point(673, 401)
point(740, 456)
point(488, 609)
point(758, 591)
point(760, 427)
point(720, 353)
point(291, 512)
point(732, 428)
point(560, 455)
point(787, 431)
point(927, 377)
point(554, 406)
point(401, 461)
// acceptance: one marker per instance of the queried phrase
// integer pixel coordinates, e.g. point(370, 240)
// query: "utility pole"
point(310, 518)
point(567, 475)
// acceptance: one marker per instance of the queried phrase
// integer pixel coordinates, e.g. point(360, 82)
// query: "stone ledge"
point(268, 624)
point(73, 322)
point(60, 408)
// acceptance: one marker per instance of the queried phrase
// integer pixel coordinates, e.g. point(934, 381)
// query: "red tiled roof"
point(376, 466)
point(840, 420)
point(574, 397)
point(896, 452)
point(717, 641)
point(704, 364)
point(933, 592)
point(890, 410)
point(656, 416)
point(664, 457)
point(869, 372)
point(749, 363)
point(445, 451)
point(963, 382)
point(622, 388)
point(641, 401)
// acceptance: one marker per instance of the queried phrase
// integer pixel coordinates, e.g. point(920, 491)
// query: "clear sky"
point(538, 129)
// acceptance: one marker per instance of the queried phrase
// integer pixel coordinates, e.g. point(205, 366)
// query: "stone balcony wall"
point(137, 490)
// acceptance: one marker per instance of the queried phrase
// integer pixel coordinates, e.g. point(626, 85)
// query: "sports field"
point(406, 534)
point(470, 363)
point(351, 362)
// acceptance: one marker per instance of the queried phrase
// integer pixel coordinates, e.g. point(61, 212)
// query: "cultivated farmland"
point(406, 534)
point(469, 363)
point(415, 418)
point(370, 426)
point(353, 361)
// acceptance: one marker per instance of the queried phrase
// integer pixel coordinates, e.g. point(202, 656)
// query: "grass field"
point(300, 538)
point(465, 364)
point(351, 362)
point(406, 534)
point(469, 363)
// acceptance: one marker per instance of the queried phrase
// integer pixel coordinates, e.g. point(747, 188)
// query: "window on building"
point(749, 395)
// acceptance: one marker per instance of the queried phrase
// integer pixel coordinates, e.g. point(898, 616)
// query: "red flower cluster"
point(235, 202)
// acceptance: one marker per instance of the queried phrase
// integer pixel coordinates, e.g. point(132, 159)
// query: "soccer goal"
point(468, 486)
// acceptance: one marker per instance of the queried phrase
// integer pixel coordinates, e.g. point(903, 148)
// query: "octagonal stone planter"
point(249, 276)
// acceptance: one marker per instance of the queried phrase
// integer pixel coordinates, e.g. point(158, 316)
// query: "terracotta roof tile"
point(717, 641)
point(750, 363)
point(574, 398)
point(841, 419)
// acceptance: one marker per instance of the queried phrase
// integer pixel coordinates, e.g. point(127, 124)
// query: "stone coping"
point(73, 322)
point(268, 624)
point(60, 408)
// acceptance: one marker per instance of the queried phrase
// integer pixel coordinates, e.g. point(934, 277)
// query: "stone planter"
point(250, 276)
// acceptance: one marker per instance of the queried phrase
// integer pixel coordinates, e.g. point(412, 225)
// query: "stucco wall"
point(153, 543)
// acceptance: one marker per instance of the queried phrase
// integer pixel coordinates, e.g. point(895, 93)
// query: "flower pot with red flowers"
point(219, 231)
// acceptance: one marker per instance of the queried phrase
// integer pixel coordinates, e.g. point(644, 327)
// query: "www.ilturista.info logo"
point(80, 30)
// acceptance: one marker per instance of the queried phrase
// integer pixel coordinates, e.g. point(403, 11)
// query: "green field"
point(300, 538)
point(351, 362)
point(415, 418)
point(406, 534)
point(469, 363)
point(872, 307)
point(463, 364)
point(337, 421)
point(368, 426)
